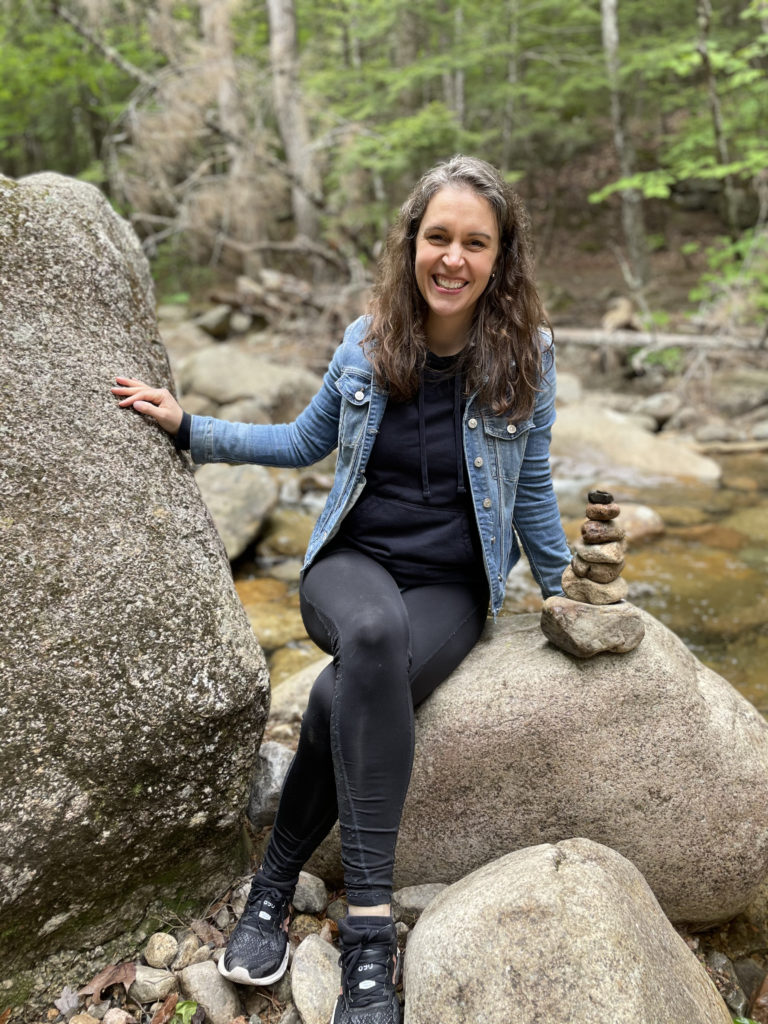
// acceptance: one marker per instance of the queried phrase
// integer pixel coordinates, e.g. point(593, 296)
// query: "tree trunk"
point(704, 17)
point(238, 215)
point(291, 115)
point(631, 199)
point(510, 108)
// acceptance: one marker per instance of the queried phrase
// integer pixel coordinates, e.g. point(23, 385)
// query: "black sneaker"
point(369, 975)
point(257, 951)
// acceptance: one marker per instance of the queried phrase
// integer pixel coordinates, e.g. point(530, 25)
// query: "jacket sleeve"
point(311, 436)
point(536, 517)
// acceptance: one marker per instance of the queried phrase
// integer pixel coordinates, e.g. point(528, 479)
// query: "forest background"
point(236, 132)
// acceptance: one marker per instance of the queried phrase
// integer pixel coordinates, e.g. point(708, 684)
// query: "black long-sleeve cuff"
point(182, 440)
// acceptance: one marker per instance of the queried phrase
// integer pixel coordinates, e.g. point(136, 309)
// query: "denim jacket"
point(508, 463)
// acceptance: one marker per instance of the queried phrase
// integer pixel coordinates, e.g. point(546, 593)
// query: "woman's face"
point(456, 249)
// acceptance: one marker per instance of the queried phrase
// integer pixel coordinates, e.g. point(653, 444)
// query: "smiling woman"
point(440, 405)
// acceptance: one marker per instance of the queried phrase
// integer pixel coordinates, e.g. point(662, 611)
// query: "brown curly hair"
point(503, 356)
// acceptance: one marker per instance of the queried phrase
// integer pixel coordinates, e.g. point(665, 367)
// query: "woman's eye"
point(477, 244)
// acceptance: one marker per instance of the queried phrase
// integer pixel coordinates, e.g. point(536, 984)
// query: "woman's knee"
point(377, 632)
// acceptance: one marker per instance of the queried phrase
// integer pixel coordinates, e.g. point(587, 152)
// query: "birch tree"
point(291, 116)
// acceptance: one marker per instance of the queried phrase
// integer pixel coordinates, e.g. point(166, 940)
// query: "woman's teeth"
point(444, 282)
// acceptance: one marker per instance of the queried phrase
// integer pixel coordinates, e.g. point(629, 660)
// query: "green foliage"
point(737, 277)
point(184, 1012)
point(56, 100)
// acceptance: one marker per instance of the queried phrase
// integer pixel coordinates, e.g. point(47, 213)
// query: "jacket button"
point(511, 428)
point(487, 502)
point(360, 395)
point(472, 423)
point(478, 461)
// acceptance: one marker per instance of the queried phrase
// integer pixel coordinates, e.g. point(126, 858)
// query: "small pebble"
point(600, 497)
point(602, 512)
point(161, 949)
point(601, 533)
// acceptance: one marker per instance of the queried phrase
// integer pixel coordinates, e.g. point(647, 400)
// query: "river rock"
point(271, 767)
point(315, 979)
point(611, 446)
point(577, 936)
point(131, 687)
point(612, 552)
point(601, 513)
point(584, 589)
point(238, 498)
point(649, 753)
point(662, 406)
point(310, 896)
point(585, 630)
point(229, 372)
point(161, 949)
point(215, 321)
point(641, 523)
point(600, 572)
point(203, 984)
point(152, 984)
point(286, 534)
point(601, 533)
point(409, 904)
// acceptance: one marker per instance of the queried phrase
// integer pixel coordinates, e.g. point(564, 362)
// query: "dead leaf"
point(207, 933)
point(5, 1016)
point(67, 1002)
point(166, 1011)
point(115, 974)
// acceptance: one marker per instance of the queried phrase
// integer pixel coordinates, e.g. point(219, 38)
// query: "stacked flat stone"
point(593, 617)
point(594, 575)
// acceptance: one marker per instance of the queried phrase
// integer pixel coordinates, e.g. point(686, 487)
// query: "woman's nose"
point(453, 255)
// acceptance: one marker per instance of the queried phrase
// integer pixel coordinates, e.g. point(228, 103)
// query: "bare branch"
point(105, 49)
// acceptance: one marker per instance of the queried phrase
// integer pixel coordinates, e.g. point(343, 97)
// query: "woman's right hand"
point(158, 403)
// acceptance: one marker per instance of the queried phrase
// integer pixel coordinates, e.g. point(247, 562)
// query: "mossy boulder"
point(133, 693)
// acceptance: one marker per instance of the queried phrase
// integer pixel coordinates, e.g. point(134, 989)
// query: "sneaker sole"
point(240, 975)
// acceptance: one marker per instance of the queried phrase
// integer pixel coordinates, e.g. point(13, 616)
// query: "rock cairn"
point(594, 616)
point(594, 575)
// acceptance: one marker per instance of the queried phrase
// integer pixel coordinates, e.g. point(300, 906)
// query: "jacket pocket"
point(355, 389)
point(505, 441)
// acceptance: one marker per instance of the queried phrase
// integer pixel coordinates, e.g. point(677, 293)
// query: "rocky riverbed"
point(682, 456)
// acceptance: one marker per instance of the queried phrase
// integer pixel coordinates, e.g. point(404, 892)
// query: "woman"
point(440, 404)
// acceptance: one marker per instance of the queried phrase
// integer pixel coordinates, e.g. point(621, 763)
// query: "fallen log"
point(731, 447)
point(643, 339)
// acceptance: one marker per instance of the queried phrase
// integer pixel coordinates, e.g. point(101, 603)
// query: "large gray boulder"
point(230, 372)
point(568, 932)
point(649, 753)
point(133, 693)
point(605, 441)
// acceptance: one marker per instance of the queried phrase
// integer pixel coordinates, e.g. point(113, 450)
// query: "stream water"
point(707, 577)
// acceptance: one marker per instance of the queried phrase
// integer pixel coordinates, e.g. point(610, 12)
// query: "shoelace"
point(378, 972)
point(270, 918)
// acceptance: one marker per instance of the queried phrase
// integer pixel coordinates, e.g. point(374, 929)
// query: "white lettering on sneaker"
point(365, 967)
point(264, 916)
point(367, 984)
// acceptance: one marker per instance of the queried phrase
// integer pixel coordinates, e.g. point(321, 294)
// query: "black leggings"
point(390, 648)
